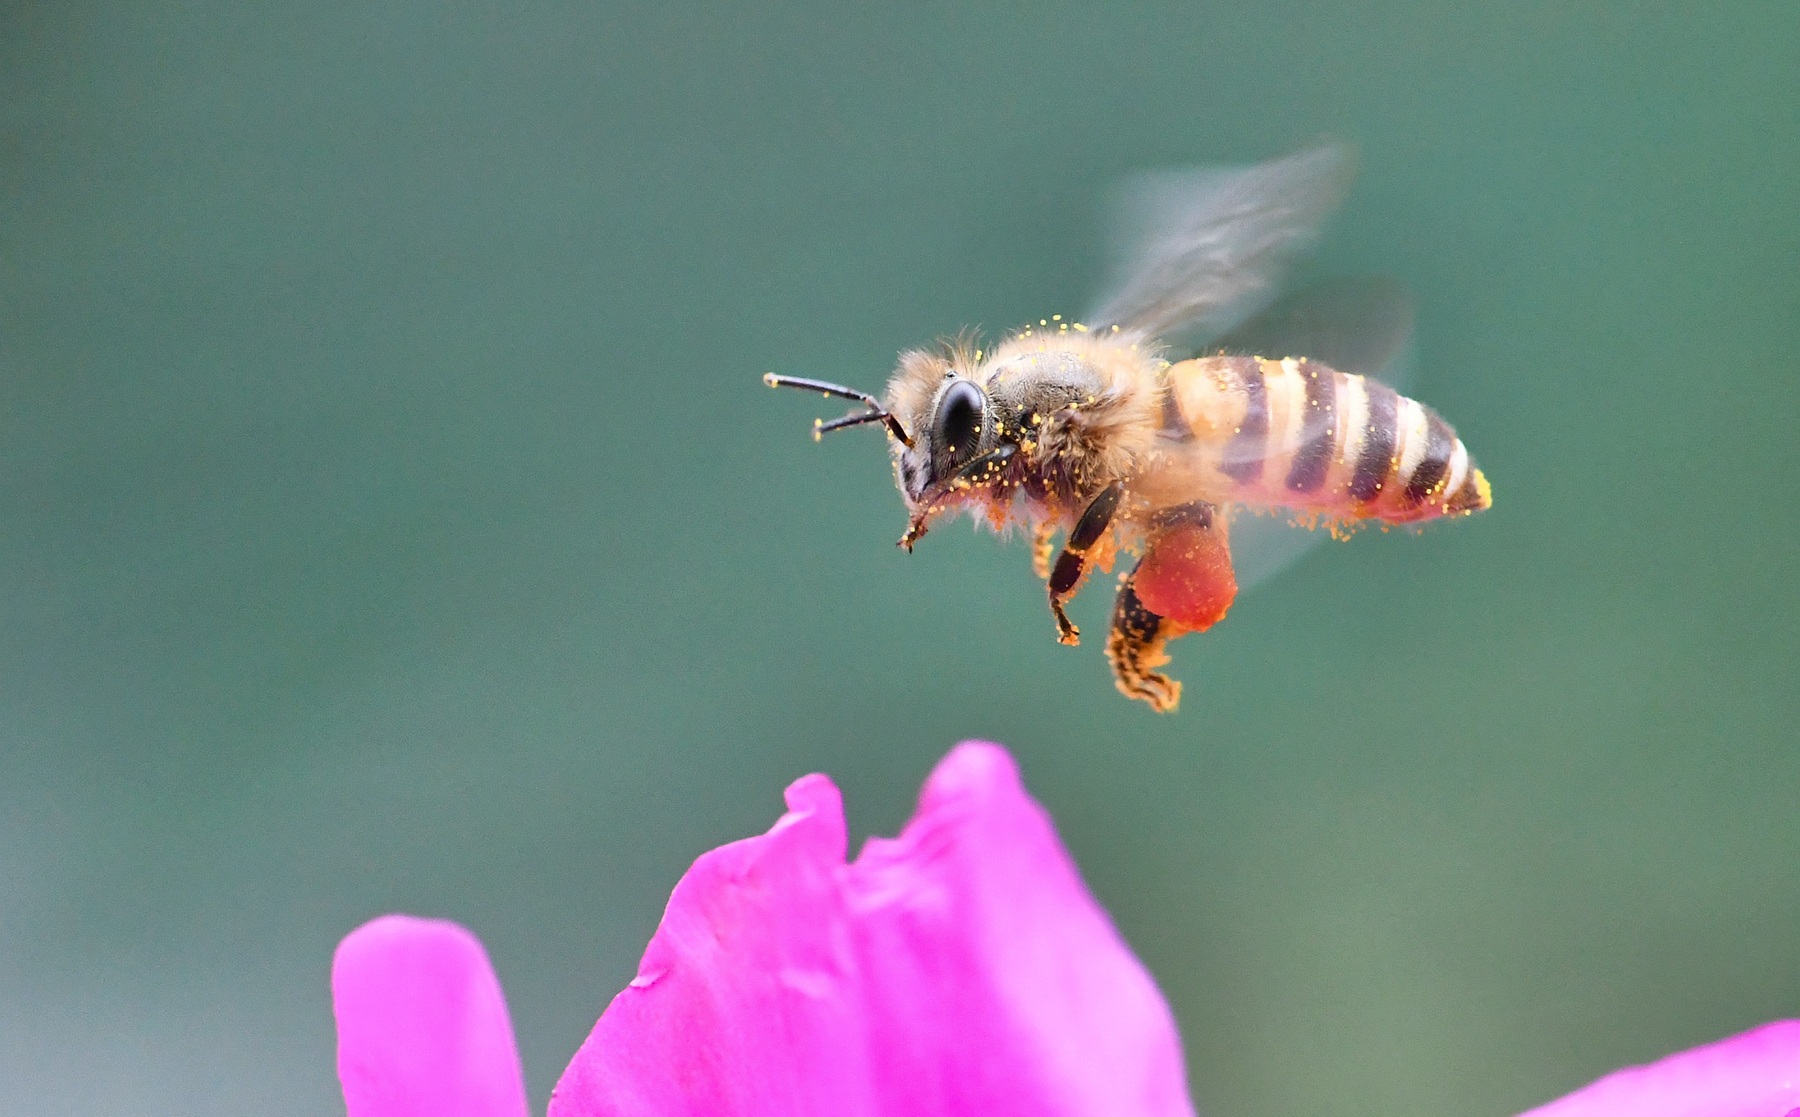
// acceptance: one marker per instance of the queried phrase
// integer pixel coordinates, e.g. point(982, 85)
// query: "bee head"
point(960, 429)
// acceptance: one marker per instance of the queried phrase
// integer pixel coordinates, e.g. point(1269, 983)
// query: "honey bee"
point(1095, 430)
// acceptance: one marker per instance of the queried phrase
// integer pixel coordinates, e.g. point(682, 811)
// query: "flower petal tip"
point(814, 795)
point(422, 1023)
point(976, 764)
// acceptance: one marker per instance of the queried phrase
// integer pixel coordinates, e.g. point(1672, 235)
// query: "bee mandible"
point(1093, 430)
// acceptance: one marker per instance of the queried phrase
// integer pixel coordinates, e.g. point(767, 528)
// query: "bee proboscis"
point(1091, 430)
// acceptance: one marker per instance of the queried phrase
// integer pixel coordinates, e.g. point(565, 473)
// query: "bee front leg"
point(1071, 565)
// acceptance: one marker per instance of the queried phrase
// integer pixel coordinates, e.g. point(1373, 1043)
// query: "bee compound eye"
point(959, 419)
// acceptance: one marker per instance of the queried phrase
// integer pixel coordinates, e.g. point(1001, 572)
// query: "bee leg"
point(1135, 647)
point(1184, 583)
point(1071, 565)
point(1041, 549)
point(915, 530)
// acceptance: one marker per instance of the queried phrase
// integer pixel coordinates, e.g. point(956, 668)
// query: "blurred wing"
point(1360, 325)
point(1262, 546)
point(1199, 250)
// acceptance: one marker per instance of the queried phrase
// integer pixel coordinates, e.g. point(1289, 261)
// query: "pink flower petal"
point(1755, 1074)
point(959, 969)
point(422, 1025)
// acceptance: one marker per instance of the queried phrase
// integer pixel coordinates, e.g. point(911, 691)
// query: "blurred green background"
point(391, 519)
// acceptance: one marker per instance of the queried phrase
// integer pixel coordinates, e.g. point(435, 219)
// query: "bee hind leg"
point(1184, 583)
point(1135, 647)
point(1071, 565)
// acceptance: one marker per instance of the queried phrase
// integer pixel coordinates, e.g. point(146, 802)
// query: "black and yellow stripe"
point(1243, 461)
point(1319, 427)
point(1299, 434)
point(1375, 458)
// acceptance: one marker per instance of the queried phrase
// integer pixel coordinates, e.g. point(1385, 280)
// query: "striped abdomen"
point(1299, 434)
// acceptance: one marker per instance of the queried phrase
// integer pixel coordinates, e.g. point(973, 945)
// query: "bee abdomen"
point(1300, 434)
point(1404, 462)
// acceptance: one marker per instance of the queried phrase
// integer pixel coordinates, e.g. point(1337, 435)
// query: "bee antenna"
point(875, 414)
